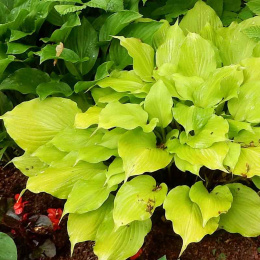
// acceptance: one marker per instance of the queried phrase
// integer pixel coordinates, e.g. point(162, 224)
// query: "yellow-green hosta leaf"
point(248, 163)
point(186, 86)
point(121, 243)
point(72, 139)
point(59, 181)
point(29, 165)
point(244, 215)
point(39, 121)
point(169, 51)
point(215, 130)
point(122, 81)
point(211, 157)
point(197, 57)
point(237, 127)
point(234, 45)
point(245, 107)
point(248, 137)
point(186, 217)
point(48, 153)
point(198, 17)
point(140, 153)
point(222, 85)
point(142, 54)
point(158, 103)
point(191, 118)
point(115, 179)
point(115, 167)
point(87, 195)
point(232, 155)
point(127, 116)
point(160, 35)
point(95, 153)
point(137, 200)
point(213, 203)
point(111, 138)
point(83, 227)
point(186, 166)
point(87, 119)
point(250, 69)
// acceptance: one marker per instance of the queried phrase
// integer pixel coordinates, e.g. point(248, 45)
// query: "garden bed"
point(160, 241)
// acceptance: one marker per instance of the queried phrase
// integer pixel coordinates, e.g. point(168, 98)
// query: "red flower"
point(55, 216)
point(137, 254)
point(19, 205)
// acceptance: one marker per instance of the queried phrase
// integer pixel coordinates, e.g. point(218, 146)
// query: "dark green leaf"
point(83, 41)
point(17, 48)
point(115, 23)
point(8, 249)
point(25, 80)
point(49, 88)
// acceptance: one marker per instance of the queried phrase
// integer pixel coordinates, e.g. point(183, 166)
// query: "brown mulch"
point(159, 242)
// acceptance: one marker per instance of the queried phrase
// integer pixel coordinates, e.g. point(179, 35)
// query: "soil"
point(159, 242)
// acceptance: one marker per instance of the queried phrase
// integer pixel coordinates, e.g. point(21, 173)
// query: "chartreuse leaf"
point(95, 153)
point(169, 50)
point(121, 243)
point(83, 227)
point(87, 195)
point(186, 217)
point(48, 153)
point(59, 181)
point(245, 108)
point(222, 85)
point(197, 57)
point(191, 118)
point(160, 35)
point(215, 130)
point(248, 137)
point(8, 249)
point(140, 154)
point(110, 138)
point(213, 203)
point(143, 56)
point(51, 88)
point(234, 45)
point(122, 81)
point(186, 166)
point(158, 103)
point(29, 165)
point(211, 157)
point(137, 200)
point(235, 127)
point(116, 167)
point(25, 80)
point(244, 215)
point(127, 116)
point(232, 155)
point(186, 86)
point(115, 23)
point(39, 121)
point(87, 119)
point(250, 65)
point(248, 162)
point(197, 18)
point(71, 139)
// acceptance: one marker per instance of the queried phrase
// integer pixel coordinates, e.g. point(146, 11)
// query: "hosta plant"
point(180, 130)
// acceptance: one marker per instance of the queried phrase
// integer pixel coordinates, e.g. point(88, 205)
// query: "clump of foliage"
point(189, 104)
